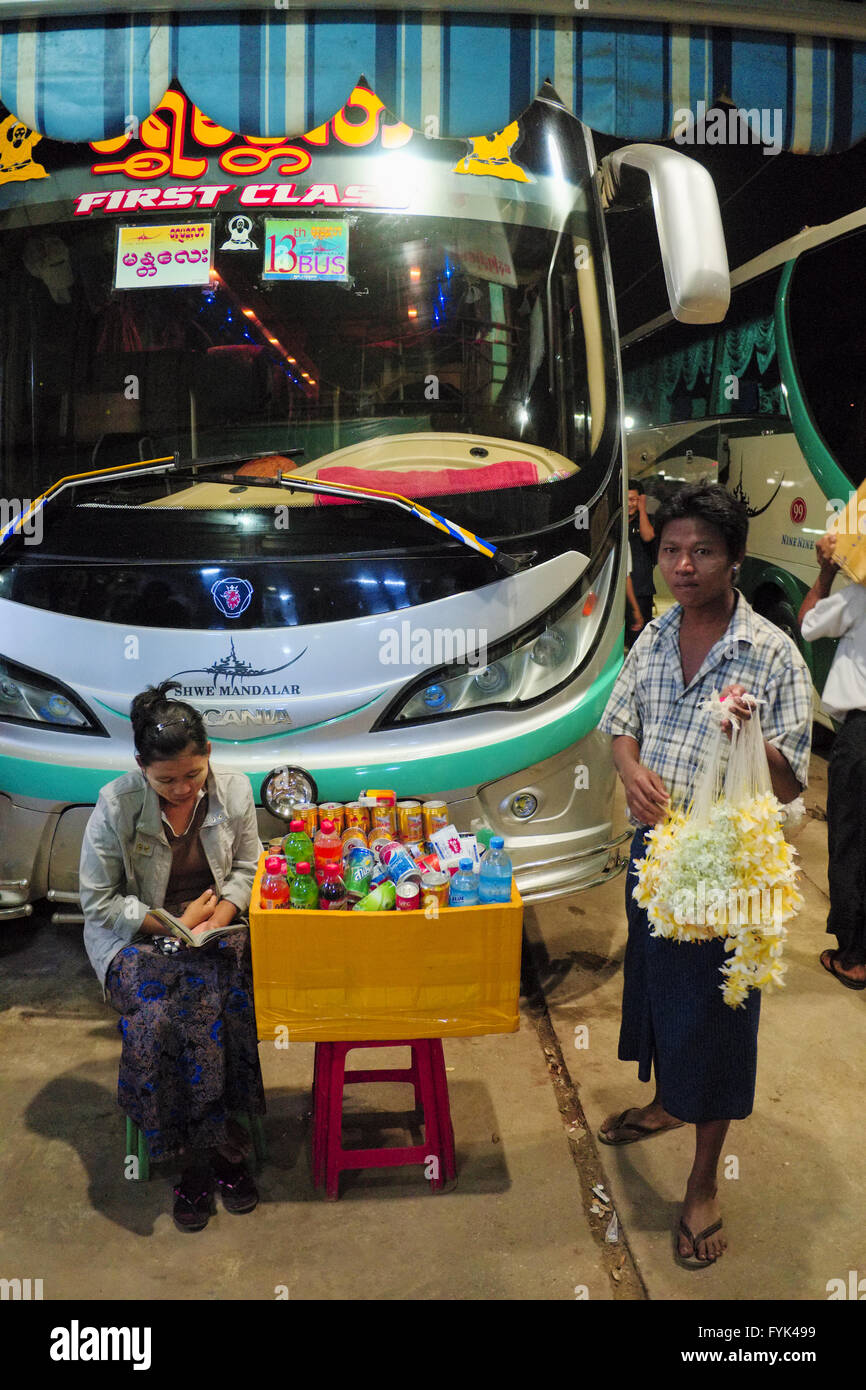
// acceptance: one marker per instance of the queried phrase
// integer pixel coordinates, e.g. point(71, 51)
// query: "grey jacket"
point(126, 860)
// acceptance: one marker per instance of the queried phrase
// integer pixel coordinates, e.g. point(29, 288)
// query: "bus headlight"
point(29, 697)
point(284, 788)
point(519, 670)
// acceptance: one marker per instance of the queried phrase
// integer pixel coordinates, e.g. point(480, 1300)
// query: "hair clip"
point(169, 723)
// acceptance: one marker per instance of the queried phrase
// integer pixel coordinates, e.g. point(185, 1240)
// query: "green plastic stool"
point(136, 1146)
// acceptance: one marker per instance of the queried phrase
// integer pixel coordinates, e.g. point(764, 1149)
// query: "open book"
point(183, 933)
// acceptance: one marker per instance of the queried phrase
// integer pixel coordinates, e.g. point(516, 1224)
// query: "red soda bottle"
point(274, 888)
point(332, 894)
point(328, 849)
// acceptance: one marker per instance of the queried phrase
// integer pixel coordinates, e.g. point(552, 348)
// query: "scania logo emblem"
point(232, 596)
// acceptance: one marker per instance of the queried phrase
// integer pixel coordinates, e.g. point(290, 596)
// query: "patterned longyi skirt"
point(190, 1051)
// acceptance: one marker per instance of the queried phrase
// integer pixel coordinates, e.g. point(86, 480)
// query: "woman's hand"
point(222, 915)
point(734, 696)
point(199, 910)
point(647, 796)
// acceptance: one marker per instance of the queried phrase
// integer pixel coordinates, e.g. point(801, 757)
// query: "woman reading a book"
point(175, 835)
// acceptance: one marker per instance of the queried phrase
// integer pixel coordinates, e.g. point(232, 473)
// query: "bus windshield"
point(461, 353)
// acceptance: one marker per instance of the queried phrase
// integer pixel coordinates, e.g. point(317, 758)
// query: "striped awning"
point(285, 71)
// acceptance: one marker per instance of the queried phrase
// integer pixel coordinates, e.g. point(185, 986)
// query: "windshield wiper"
point(509, 563)
point(171, 464)
point(168, 463)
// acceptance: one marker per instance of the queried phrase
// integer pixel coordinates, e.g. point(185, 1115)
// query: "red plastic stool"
point(426, 1075)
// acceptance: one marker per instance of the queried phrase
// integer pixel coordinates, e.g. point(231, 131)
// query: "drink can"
point(353, 838)
point(308, 812)
point(408, 895)
point(435, 888)
point(379, 874)
point(378, 839)
point(415, 848)
point(335, 811)
point(410, 824)
point(398, 862)
point(435, 817)
point(383, 817)
point(358, 874)
point(357, 815)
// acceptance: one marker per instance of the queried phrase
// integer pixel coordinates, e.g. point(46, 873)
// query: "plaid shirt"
point(649, 702)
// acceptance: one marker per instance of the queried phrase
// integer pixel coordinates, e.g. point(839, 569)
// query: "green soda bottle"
point(297, 846)
point(304, 891)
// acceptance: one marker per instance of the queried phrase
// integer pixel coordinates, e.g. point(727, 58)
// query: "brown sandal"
point(640, 1131)
point(694, 1261)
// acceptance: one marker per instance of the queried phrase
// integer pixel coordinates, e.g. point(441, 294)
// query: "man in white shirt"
point(843, 615)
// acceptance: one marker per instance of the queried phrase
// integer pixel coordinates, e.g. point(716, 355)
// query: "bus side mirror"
point(689, 227)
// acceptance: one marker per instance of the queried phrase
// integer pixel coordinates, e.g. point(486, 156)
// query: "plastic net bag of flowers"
point(722, 867)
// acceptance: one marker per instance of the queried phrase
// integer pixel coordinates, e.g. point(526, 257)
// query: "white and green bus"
point(227, 361)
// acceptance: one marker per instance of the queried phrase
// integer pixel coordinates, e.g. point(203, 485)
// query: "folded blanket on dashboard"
point(428, 482)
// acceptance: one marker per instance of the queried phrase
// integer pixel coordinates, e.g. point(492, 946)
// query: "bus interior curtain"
point(737, 347)
point(653, 387)
point(284, 71)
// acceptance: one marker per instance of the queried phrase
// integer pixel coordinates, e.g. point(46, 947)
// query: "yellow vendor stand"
point(358, 976)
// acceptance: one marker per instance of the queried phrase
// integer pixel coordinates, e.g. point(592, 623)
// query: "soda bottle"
point(303, 891)
point(464, 886)
point(332, 894)
point(328, 848)
point(297, 845)
point(494, 880)
point(274, 888)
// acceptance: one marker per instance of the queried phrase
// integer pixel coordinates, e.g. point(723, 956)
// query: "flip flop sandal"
point(641, 1131)
point(193, 1205)
point(693, 1261)
point(831, 970)
point(236, 1187)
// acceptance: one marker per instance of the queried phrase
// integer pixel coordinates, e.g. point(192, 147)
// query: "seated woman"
point(180, 836)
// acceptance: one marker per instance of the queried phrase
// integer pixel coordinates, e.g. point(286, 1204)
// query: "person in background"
point(674, 1020)
point(843, 615)
point(635, 623)
point(642, 543)
point(177, 835)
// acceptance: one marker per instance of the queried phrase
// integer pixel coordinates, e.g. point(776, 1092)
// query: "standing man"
point(843, 615)
point(674, 1021)
point(642, 544)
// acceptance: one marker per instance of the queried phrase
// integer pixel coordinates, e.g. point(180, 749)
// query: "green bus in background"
point(771, 403)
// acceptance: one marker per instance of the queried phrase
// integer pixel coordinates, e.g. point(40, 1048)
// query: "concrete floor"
point(519, 1224)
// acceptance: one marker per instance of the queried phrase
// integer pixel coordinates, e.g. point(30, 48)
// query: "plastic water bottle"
point(274, 888)
point(463, 891)
point(494, 880)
